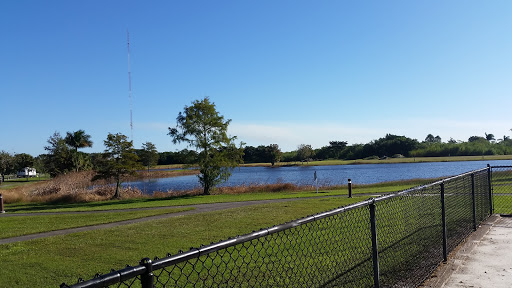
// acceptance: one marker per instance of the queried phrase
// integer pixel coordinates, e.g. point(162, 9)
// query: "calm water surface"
point(327, 175)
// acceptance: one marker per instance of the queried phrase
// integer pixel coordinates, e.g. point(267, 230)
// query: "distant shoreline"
point(362, 161)
point(385, 161)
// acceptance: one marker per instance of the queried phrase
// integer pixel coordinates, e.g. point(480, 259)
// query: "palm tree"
point(78, 139)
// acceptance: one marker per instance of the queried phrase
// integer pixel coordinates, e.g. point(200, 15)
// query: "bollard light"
point(1, 204)
point(349, 188)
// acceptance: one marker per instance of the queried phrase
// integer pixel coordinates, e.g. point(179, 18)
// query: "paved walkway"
point(484, 260)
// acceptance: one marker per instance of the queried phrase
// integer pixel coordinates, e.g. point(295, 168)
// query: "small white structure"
point(27, 172)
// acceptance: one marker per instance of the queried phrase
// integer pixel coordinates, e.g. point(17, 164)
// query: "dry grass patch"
point(69, 188)
point(162, 174)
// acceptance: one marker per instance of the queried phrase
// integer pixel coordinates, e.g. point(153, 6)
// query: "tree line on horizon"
point(215, 153)
point(388, 146)
point(64, 156)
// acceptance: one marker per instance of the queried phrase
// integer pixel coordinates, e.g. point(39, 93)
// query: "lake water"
point(327, 175)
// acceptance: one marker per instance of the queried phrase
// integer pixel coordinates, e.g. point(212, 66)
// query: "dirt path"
point(199, 208)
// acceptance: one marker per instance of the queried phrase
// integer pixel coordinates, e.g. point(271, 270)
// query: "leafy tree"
point(23, 160)
point(202, 127)
point(252, 154)
point(336, 148)
point(390, 145)
point(476, 138)
point(183, 156)
point(6, 164)
point(489, 137)
point(274, 153)
point(430, 139)
point(304, 152)
point(59, 159)
point(262, 154)
point(148, 154)
point(39, 164)
point(117, 161)
point(333, 151)
point(355, 151)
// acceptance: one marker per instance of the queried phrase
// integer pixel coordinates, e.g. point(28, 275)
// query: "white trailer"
point(26, 172)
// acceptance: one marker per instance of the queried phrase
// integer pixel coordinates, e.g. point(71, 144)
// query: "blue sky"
point(285, 72)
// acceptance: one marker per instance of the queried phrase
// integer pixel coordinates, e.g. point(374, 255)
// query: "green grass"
point(24, 225)
point(49, 261)
point(502, 190)
point(15, 182)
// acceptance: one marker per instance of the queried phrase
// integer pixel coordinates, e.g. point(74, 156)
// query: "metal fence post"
point(375, 249)
point(1, 204)
point(146, 279)
point(443, 217)
point(489, 172)
point(474, 199)
point(349, 188)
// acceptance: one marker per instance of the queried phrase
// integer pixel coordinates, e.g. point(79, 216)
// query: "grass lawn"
point(15, 182)
point(24, 225)
point(50, 261)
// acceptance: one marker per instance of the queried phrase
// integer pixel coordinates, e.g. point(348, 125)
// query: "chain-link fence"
point(502, 189)
point(395, 240)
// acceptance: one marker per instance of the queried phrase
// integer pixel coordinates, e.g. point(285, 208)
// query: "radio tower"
point(129, 83)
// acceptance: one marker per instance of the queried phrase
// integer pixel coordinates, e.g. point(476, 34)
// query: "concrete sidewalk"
point(484, 260)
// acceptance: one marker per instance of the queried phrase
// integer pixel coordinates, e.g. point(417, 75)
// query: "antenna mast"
point(129, 83)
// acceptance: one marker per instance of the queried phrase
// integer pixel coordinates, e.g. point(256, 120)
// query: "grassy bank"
point(25, 225)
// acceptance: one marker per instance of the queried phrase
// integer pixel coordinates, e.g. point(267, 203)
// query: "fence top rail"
point(505, 166)
point(111, 278)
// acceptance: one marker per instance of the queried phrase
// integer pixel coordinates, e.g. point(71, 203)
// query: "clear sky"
point(285, 71)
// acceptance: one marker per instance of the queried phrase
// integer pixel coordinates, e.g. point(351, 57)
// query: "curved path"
point(199, 208)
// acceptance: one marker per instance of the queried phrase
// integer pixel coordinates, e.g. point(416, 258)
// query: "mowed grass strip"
point(386, 187)
point(25, 225)
point(50, 261)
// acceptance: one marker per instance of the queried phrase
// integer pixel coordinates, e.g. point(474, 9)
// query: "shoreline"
point(363, 162)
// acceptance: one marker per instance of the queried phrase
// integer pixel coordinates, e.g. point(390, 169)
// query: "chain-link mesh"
point(409, 237)
point(459, 210)
point(333, 249)
point(502, 189)
point(330, 252)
